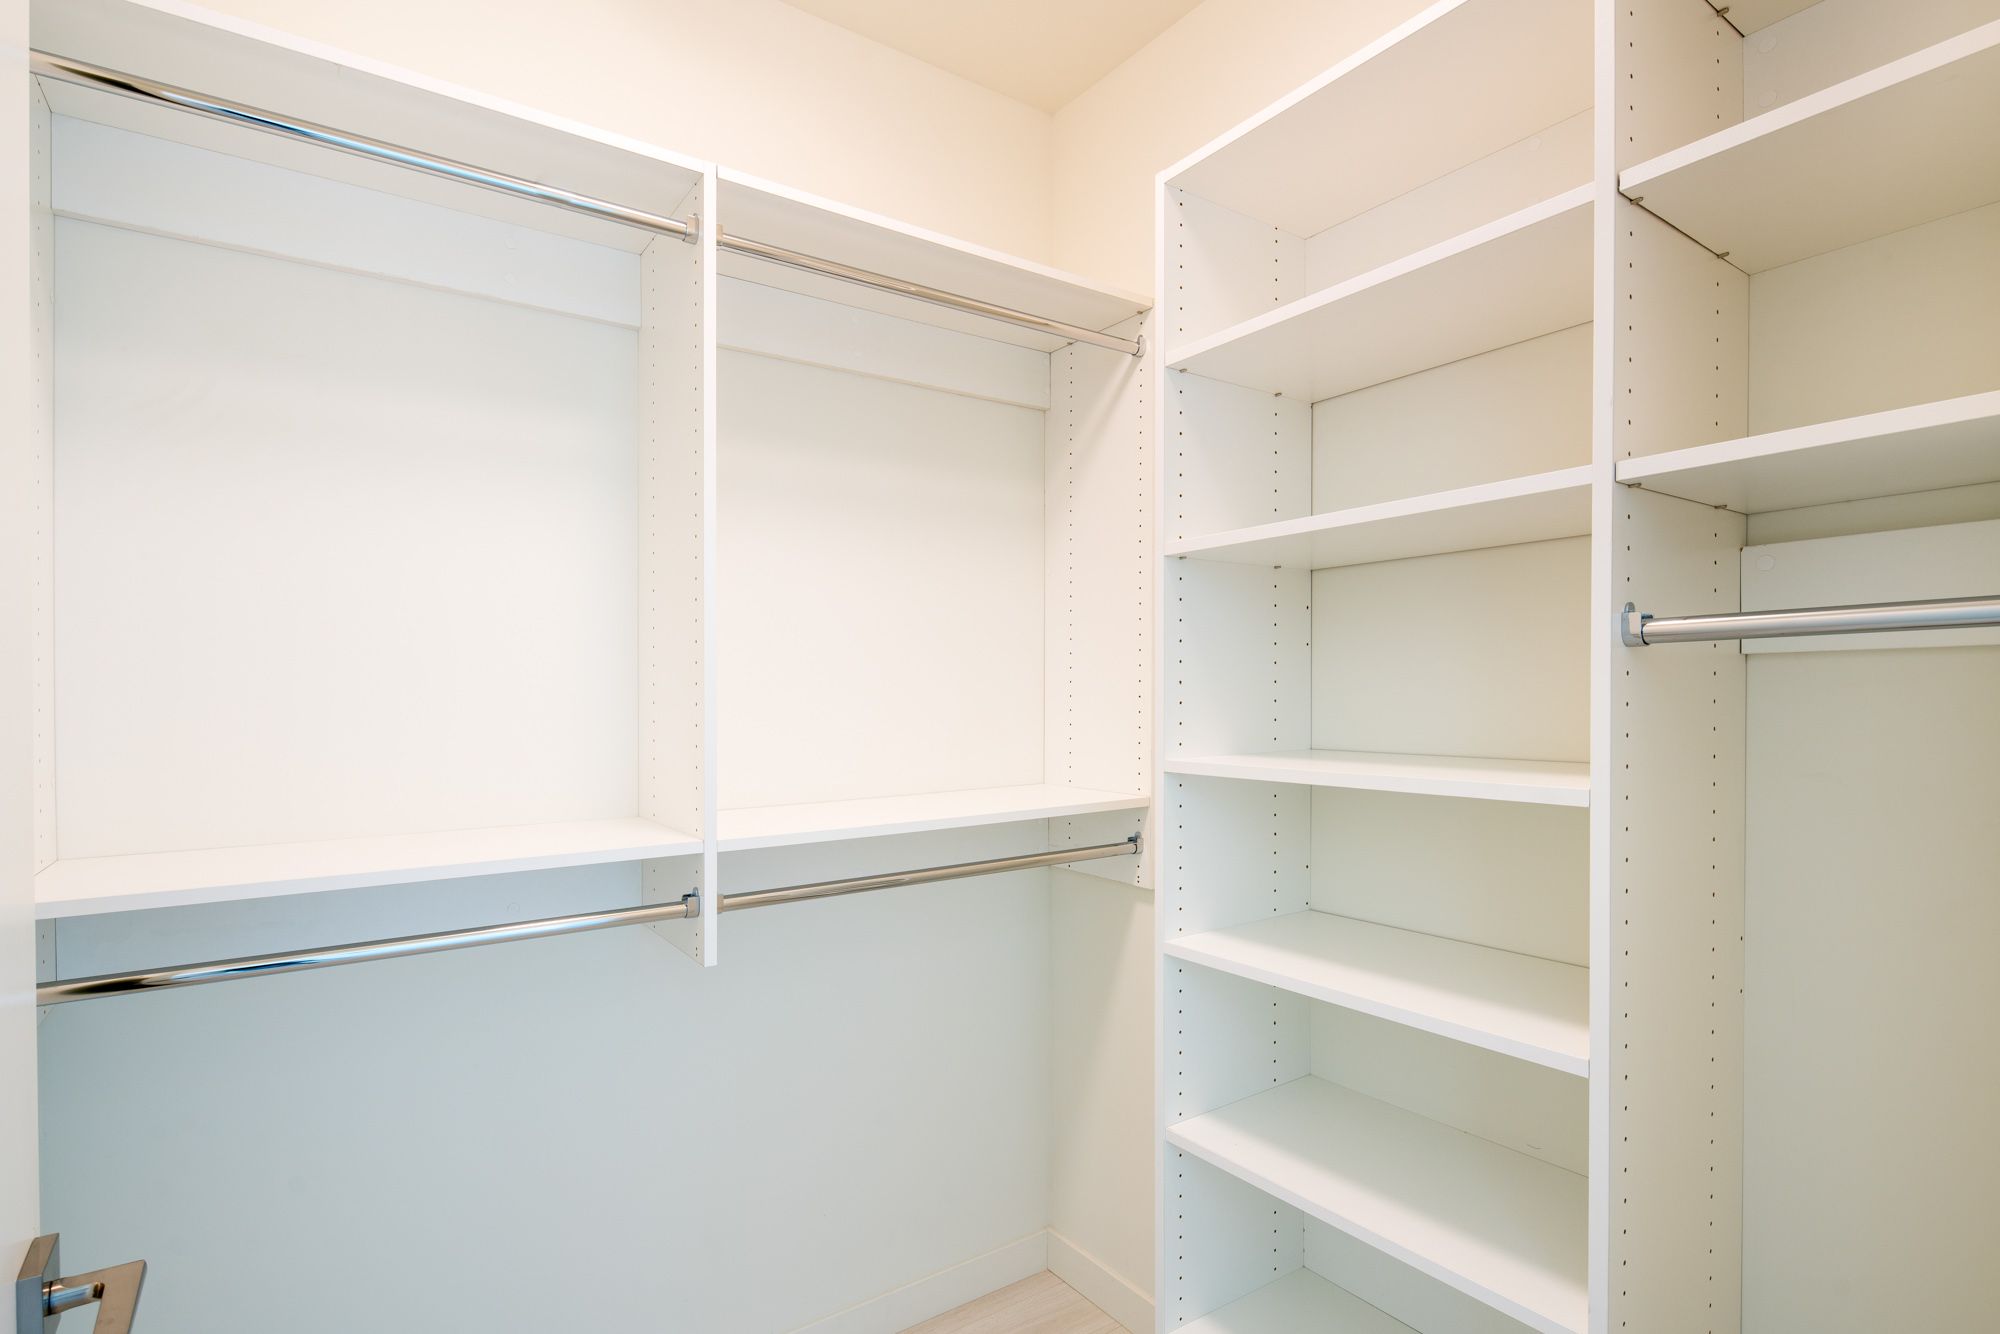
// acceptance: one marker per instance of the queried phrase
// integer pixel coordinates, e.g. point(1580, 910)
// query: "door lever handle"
point(115, 1290)
point(40, 1297)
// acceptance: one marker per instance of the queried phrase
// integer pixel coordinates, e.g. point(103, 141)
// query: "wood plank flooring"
point(1040, 1304)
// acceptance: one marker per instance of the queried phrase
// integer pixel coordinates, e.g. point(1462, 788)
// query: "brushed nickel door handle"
point(41, 1297)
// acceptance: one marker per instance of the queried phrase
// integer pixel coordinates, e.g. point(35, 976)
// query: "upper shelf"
point(1538, 782)
point(1955, 442)
point(793, 220)
point(1493, 1223)
point(1517, 278)
point(1535, 1009)
point(1915, 140)
point(821, 821)
point(1494, 514)
point(79, 885)
point(1461, 80)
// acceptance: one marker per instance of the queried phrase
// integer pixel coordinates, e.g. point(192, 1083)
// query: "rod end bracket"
point(1632, 626)
point(691, 903)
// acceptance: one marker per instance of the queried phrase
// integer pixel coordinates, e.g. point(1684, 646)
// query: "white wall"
point(1101, 1086)
point(585, 1133)
point(1870, 996)
point(754, 84)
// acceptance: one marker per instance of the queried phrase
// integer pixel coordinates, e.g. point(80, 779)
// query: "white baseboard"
point(934, 1294)
point(1097, 1282)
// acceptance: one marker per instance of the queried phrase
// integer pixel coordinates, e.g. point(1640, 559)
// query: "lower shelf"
point(1534, 1009)
point(1497, 1225)
point(1545, 782)
point(75, 886)
point(868, 817)
point(1299, 1303)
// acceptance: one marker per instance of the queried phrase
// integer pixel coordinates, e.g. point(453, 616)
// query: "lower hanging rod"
point(267, 965)
point(1637, 628)
point(237, 113)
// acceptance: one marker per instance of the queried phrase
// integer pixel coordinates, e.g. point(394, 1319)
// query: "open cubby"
point(1463, 1163)
point(923, 596)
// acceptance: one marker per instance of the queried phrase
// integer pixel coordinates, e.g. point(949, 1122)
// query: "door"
point(19, 1181)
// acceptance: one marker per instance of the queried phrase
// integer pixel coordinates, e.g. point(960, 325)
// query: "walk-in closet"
point(858, 667)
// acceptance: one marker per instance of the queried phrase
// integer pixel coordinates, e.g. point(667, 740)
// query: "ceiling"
point(1042, 52)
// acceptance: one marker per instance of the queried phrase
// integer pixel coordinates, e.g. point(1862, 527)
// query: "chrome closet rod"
point(219, 108)
point(1637, 628)
point(951, 300)
point(236, 113)
point(267, 965)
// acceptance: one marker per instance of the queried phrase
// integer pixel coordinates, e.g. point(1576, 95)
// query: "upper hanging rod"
point(151, 90)
point(265, 965)
point(793, 259)
point(1638, 628)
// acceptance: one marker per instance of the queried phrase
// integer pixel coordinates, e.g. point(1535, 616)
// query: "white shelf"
point(1518, 278)
point(793, 220)
point(1458, 81)
point(1915, 140)
point(1495, 514)
point(1299, 1303)
point(1955, 442)
point(1497, 1225)
point(1541, 782)
point(821, 821)
point(1535, 1009)
point(77, 886)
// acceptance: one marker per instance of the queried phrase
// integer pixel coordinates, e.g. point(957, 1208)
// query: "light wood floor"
point(1043, 1304)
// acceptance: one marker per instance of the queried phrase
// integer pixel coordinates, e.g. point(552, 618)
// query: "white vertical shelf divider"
point(677, 778)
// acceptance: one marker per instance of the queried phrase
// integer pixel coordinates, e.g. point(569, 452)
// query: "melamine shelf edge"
point(1305, 953)
point(1780, 119)
point(813, 822)
point(78, 886)
point(1465, 243)
point(1889, 149)
point(1923, 447)
point(1537, 782)
point(1411, 510)
point(1322, 1130)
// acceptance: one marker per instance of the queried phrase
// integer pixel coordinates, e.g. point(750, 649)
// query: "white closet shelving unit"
point(1804, 248)
point(399, 529)
point(1375, 757)
point(1510, 976)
